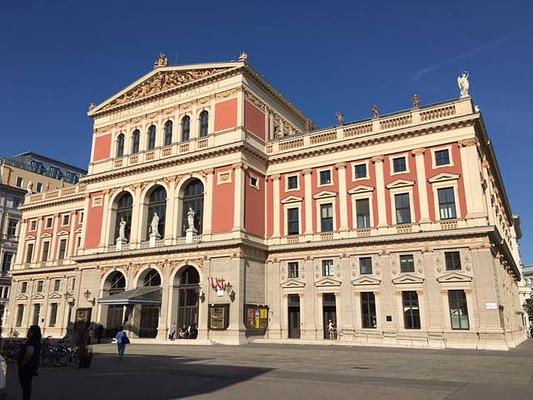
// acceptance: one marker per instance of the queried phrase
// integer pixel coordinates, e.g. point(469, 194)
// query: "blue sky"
point(58, 56)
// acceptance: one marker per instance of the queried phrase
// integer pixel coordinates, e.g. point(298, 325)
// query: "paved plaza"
point(271, 371)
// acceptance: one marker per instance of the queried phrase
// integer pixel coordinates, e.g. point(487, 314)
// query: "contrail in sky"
point(470, 53)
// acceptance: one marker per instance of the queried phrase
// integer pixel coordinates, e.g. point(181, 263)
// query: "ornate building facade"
point(212, 201)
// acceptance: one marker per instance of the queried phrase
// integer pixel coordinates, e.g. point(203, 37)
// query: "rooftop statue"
point(162, 61)
point(464, 85)
point(340, 118)
point(243, 56)
point(375, 111)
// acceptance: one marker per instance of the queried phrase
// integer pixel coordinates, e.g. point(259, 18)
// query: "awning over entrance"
point(150, 295)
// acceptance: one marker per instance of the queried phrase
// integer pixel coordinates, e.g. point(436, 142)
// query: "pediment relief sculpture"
point(366, 281)
point(408, 279)
point(324, 194)
point(361, 189)
point(454, 277)
point(400, 183)
point(327, 282)
point(443, 177)
point(292, 283)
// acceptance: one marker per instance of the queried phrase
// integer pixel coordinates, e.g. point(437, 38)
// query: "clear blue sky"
point(325, 56)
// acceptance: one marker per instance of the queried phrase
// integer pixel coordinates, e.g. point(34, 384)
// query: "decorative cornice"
point(469, 142)
point(418, 151)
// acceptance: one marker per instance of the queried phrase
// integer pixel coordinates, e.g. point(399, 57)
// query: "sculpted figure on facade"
point(416, 101)
point(340, 118)
point(464, 85)
point(375, 111)
point(154, 225)
point(122, 229)
point(190, 219)
point(162, 61)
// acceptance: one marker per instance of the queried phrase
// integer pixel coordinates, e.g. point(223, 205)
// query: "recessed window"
point(39, 286)
point(327, 267)
point(57, 284)
point(46, 249)
point(29, 252)
point(254, 182)
point(120, 145)
point(407, 263)
point(62, 249)
point(368, 310)
point(66, 219)
point(399, 164)
point(292, 182)
point(293, 221)
point(168, 133)
point(12, 226)
point(36, 314)
point(360, 171)
point(48, 223)
point(293, 269)
point(204, 123)
point(326, 217)
point(458, 309)
point(151, 137)
point(365, 265)
point(185, 128)
point(403, 208)
point(442, 157)
point(39, 187)
point(362, 209)
point(6, 261)
point(81, 217)
point(20, 182)
point(135, 141)
point(24, 287)
point(325, 177)
point(20, 314)
point(447, 208)
point(411, 310)
point(53, 314)
point(453, 260)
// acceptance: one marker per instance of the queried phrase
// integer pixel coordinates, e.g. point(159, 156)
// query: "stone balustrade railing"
point(56, 194)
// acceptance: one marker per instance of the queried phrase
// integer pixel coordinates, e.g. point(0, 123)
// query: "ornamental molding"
point(361, 189)
point(408, 279)
point(292, 199)
point(454, 277)
point(325, 194)
point(327, 283)
point(398, 183)
point(443, 177)
point(292, 283)
point(22, 297)
point(366, 281)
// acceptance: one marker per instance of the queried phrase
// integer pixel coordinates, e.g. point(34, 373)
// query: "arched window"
point(151, 137)
point(152, 278)
point(123, 211)
point(188, 283)
point(204, 123)
point(168, 133)
point(185, 128)
point(135, 141)
point(157, 203)
point(189, 276)
point(115, 283)
point(193, 198)
point(120, 145)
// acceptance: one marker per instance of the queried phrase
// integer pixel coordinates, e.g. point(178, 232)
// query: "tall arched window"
point(135, 141)
point(193, 197)
point(120, 145)
point(204, 123)
point(157, 203)
point(185, 128)
point(152, 278)
point(168, 133)
point(151, 137)
point(115, 283)
point(123, 211)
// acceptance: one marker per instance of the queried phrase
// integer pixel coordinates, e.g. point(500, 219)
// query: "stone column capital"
point(275, 177)
point(468, 142)
point(377, 159)
point(307, 171)
point(419, 151)
point(340, 165)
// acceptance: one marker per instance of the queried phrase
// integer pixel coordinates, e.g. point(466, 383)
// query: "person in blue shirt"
point(122, 341)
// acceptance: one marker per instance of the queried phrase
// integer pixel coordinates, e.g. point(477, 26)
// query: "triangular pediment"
point(55, 295)
point(63, 233)
point(291, 199)
point(327, 282)
point(163, 79)
point(408, 279)
point(22, 296)
point(361, 189)
point(366, 281)
point(37, 296)
point(292, 284)
point(400, 183)
point(46, 235)
point(324, 194)
point(453, 277)
point(30, 237)
point(79, 230)
point(443, 177)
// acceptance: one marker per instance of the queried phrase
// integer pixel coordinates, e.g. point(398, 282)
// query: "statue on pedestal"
point(122, 230)
point(464, 85)
point(375, 111)
point(340, 118)
point(154, 225)
point(190, 219)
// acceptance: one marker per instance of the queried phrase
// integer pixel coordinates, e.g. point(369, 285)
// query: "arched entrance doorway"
point(148, 313)
point(187, 281)
point(115, 283)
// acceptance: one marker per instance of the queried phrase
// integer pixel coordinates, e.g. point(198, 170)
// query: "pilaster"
point(380, 189)
point(421, 185)
point(275, 206)
point(473, 190)
point(343, 201)
point(308, 201)
point(238, 198)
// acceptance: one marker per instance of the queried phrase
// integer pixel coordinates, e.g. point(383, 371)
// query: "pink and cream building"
point(212, 200)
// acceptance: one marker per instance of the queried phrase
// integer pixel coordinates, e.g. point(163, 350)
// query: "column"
point(343, 201)
point(275, 206)
point(203, 309)
point(473, 191)
point(380, 189)
point(308, 202)
point(421, 185)
point(166, 287)
point(69, 251)
point(238, 197)
point(18, 259)
point(208, 203)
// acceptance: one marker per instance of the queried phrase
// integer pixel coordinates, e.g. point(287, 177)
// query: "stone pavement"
point(263, 371)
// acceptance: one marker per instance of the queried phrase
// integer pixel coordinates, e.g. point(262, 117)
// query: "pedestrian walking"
point(122, 341)
point(90, 335)
point(172, 331)
point(28, 360)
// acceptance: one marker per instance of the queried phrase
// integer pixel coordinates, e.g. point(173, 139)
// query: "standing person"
point(28, 360)
point(122, 341)
point(90, 335)
point(99, 333)
point(172, 331)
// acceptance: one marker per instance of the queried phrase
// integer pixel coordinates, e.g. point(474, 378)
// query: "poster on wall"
point(218, 316)
point(256, 318)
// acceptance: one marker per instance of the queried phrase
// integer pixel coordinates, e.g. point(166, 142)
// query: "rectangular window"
point(411, 311)
point(407, 263)
point(6, 261)
point(39, 286)
point(360, 171)
point(12, 226)
point(57, 284)
point(81, 217)
point(453, 260)
point(458, 309)
point(29, 252)
point(20, 315)
point(65, 220)
point(24, 287)
point(78, 243)
point(39, 187)
point(292, 182)
point(327, 267)
point(293, 222)
point(62, 249)
point(365, 265)
point(362, 209)
point(368, 310)
point(33, 225)
point(399, 164)
point(73, 284)
point(442, 157)
point(325, 177)
point(403, 208)
point(293, 269)
point(53, 314)
point(20, 182)
point(254, 182)
point(48, 222)
point(36, 314)
point(46, 249)
point(326, 217)
point(447, 208)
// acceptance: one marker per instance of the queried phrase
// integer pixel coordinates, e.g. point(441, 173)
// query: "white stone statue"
point(154, 225)
point(190, 218)
point(30, 187)
point(464, 85)
point(122, 229)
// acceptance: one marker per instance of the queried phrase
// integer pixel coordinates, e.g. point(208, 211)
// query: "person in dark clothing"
point(28, 360)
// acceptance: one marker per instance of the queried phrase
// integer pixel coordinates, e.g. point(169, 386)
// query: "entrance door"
point(187, 307)
point(149, 321)
point(329, 312)
point(294, 316)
